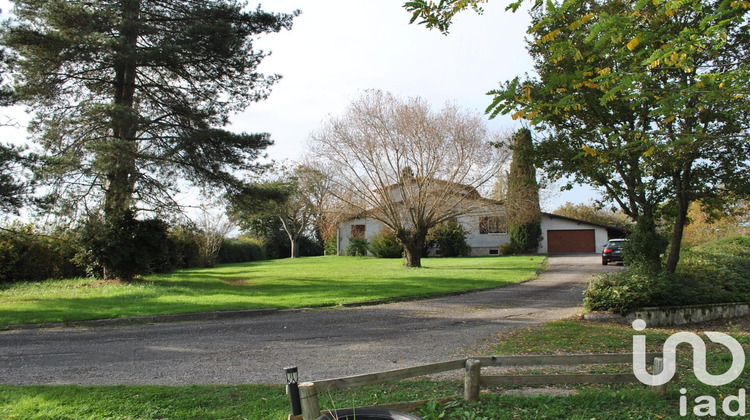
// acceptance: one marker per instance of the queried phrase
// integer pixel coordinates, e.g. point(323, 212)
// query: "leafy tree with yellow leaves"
point(647, 100)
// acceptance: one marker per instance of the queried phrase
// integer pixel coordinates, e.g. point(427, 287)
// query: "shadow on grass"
point(280, 284)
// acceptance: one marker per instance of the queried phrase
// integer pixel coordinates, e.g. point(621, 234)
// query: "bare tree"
point(403, 164)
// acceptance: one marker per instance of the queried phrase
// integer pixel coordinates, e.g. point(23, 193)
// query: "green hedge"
point(28, 254)
point(237, 250)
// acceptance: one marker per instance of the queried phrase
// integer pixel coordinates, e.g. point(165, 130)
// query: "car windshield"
point(615, 245)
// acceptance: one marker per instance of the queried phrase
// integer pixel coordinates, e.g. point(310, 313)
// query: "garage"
point(578, 240)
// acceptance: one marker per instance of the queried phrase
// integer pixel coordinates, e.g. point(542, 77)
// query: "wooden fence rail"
point(474, 380)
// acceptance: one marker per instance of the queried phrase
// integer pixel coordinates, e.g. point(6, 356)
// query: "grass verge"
point(289, 283)
point(630, 401)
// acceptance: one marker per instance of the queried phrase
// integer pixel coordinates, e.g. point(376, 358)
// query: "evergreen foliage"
point(450, 239)
point(522, 211)
point(12, 189)
point(293, 196)
point(126, 247)
point(386, 245)
point(131, 95)
point(239, 250)
point(29, 254)
point(357, 247)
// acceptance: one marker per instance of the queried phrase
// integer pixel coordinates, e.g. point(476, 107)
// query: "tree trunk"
point(413, 257)
point(677, 232)
point(119, 155)
point(295, 247)
point(413, 243)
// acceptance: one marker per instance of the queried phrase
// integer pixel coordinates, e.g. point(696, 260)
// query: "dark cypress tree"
point(523, 214)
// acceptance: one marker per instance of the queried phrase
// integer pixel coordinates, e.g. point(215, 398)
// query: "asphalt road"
point(323, 343)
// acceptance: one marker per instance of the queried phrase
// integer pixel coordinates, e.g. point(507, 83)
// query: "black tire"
point(604, 261)
point(369, 414)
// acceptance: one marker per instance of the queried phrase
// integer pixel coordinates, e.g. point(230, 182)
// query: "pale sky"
point(338, 48)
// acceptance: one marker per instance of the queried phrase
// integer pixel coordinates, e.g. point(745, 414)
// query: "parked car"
point(612, 251)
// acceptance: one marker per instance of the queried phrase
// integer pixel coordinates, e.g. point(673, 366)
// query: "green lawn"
point(304, 282)
point(266, 402)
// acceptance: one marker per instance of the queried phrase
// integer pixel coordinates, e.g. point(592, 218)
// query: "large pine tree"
point(131, 96)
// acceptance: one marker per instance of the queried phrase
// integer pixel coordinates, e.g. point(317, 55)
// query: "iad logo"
point(706, 404)
point(699, 357)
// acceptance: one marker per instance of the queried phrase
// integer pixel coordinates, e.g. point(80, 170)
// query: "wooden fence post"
point(309, 399)
point(473, 371)
point(659, 368)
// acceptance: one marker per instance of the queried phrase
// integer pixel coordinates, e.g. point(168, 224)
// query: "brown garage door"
point(582, 240)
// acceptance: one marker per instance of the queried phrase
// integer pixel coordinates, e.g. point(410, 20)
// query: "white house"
point(486, 231)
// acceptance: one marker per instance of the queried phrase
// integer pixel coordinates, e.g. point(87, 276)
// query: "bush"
point(525, 238)
point(506, 249)
point(717, 273)
point(450, 239)
point(238, 250)
point(357, 247)
point(385, 245)
point(28, 254)
point(624, 291)
point(330, 247)
point(183, 249)
point(644, 248)
point(309, 247)
point(738, 246)
point(125, 246)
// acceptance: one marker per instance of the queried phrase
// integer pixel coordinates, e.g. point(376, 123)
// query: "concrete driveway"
point(323, 343)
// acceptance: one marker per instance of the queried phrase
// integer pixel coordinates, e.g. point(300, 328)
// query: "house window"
point(358, 231)
point(491, 224)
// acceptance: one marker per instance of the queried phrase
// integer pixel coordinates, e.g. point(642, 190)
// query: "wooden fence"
point(474, 380)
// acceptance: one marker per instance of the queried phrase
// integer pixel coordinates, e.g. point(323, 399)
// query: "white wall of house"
point(372, 228)
point(482, 243)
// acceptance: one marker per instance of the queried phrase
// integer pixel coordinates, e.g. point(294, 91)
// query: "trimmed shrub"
point(625, 291)
point(506, 249)
point(450, 238)
point(357, 247)
point(385, 245)
point(238, 250)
